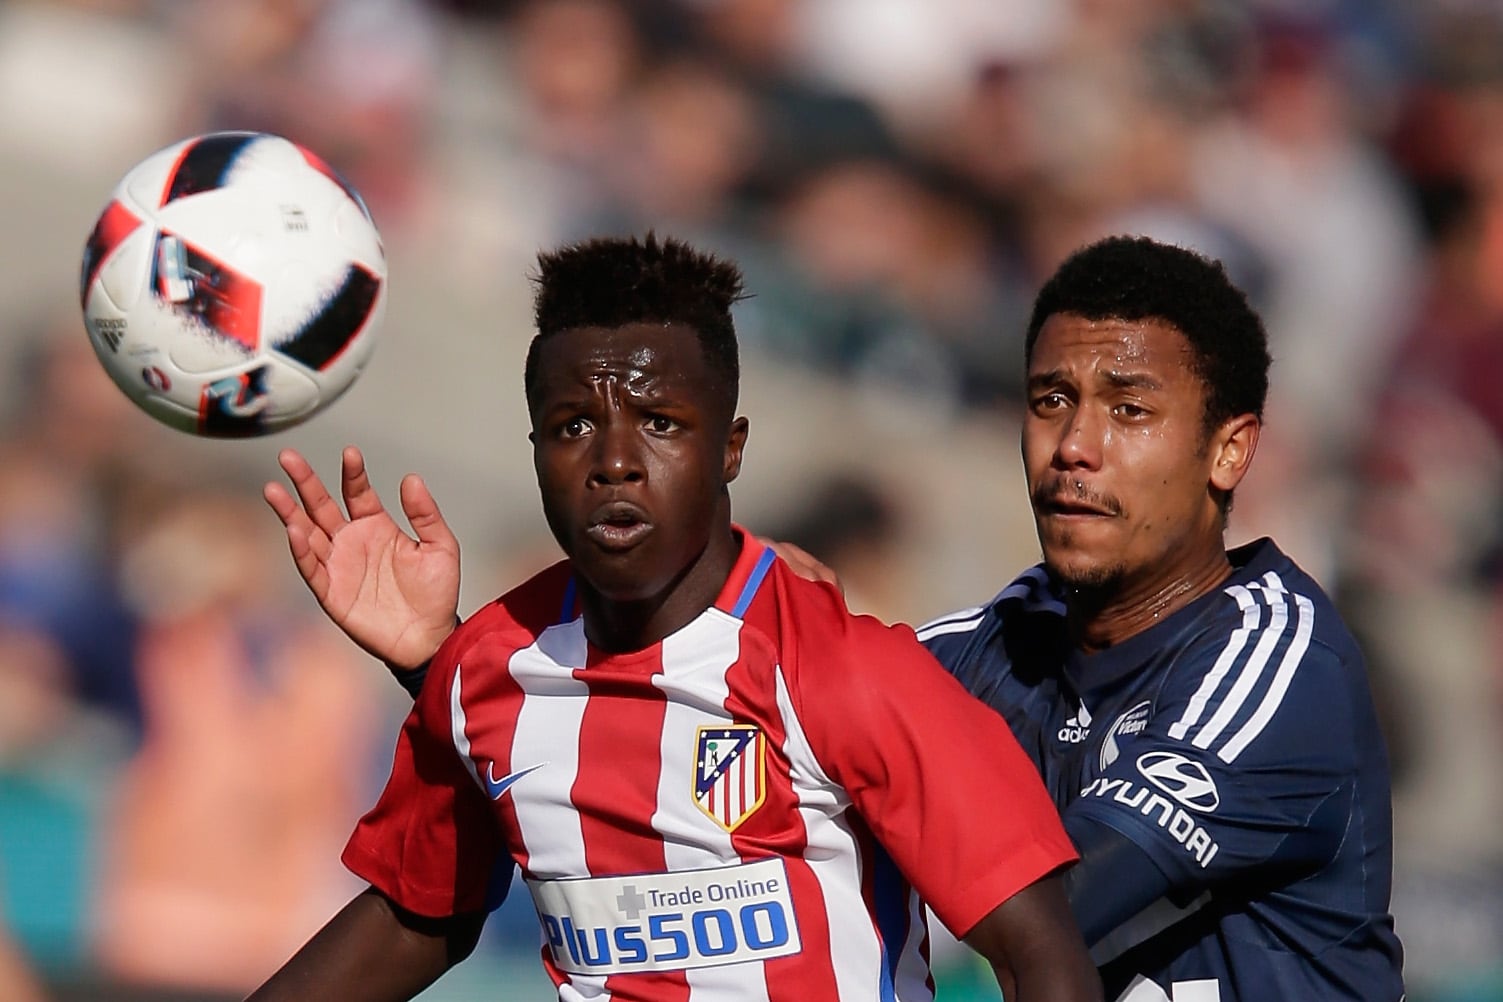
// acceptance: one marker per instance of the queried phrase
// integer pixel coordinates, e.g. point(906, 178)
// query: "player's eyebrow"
point(1116, 378)
point(1132, 380)
point(1053, 377)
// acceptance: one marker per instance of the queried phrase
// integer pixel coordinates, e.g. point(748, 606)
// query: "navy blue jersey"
point(1235, 743)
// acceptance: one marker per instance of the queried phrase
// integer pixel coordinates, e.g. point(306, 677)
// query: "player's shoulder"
point(1266, 653)
point(799, 616)
point(1270, 604)
point(1029, 605)
point(512, 621)
point(796, 605)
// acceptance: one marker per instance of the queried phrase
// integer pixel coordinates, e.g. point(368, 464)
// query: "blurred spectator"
point(220, 846)
point(17, 981)
point(689, 145)
point(892, 281)
point(354, 80)
point(853, 526)
point(572, 64)
point(808, 123)
point(916, 61)
point(1293, 174)
point(56, 761)
point(68, 460)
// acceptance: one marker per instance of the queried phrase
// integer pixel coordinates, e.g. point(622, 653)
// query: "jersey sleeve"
point(1241, 768)
point(935, 774)
point(431, 843)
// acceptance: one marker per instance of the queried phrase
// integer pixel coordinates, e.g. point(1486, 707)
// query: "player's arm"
point(373, 951)
point(953, 800)
point(1034, 948)
point(1210, 793)
point(1114, 880)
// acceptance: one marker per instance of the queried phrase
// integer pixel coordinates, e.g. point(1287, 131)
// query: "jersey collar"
point(1102, 669)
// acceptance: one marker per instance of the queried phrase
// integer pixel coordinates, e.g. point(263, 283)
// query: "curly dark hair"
point(1137, 278)
point(615, 281)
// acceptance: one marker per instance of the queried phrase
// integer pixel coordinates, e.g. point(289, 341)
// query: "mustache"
point(1068, 491)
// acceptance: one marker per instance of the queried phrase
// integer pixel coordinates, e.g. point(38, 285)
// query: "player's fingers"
point(803, 563)
point(292, 514)
point(355, 484)
point(312, 569)
point(423, 514)
point(281, 502)
point(321, 507)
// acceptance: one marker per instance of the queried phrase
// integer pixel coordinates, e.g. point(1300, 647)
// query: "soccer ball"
point(233, 285)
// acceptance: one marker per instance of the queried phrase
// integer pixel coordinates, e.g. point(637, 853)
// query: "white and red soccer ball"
point(233, 285)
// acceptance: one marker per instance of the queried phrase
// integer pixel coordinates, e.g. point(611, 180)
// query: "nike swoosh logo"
point(496, 787)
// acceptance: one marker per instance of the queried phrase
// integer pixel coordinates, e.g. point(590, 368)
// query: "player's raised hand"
point(395, 595)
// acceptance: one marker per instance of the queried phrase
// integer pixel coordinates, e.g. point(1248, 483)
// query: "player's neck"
point(1102, 619)
point(620, 626)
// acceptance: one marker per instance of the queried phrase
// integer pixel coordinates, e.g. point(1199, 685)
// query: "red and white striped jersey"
point(741, 811)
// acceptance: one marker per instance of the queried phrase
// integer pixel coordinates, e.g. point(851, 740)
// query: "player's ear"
point(1232, 449)
point(735, 442)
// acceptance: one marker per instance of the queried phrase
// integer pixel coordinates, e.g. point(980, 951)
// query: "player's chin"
point(618, 576)
point(1074, 561)
point(1082, 573)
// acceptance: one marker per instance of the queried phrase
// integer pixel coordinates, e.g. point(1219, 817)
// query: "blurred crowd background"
point(185, 743)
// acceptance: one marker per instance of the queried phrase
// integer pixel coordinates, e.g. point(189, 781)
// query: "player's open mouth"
point(618, 526)
point(1063, 508)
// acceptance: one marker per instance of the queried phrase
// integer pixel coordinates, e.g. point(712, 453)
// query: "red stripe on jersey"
point(741, 571)
point(774, 830)
point(499, 743)
point(534, 609)
point(615, 812)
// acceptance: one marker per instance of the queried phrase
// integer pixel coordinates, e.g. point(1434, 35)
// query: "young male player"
point(1201, 716)
point(718, 784)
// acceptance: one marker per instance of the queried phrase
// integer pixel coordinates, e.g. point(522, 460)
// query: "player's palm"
point(394, 595)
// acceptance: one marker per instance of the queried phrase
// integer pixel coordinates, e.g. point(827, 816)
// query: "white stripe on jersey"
point(911, 980)
point(834, 857)
point(1275, 695)
point(963, 621)
point(1146, 924)
point(457, 723)
point(554, 840)
point(1252, 670)
point(1251, 617)
point(1246, 678)
point(696, 659)
point(1032, 586)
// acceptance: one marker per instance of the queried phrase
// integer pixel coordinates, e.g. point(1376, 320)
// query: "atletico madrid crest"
point(729, 767)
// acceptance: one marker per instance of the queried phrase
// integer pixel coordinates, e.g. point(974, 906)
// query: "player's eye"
point(574, 428)
point(1131, 411)
point(660, 424)
point(1047, 402)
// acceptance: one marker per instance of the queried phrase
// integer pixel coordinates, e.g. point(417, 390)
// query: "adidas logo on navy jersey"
point(1077, 728)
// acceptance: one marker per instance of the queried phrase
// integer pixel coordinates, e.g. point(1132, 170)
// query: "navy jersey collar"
point(1086, 672)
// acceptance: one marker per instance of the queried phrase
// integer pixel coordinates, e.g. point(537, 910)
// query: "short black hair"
point(615, 281)
point(1138, 278)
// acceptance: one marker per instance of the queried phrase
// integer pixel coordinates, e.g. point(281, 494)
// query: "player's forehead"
point(1076, 349)
point(637, 356)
